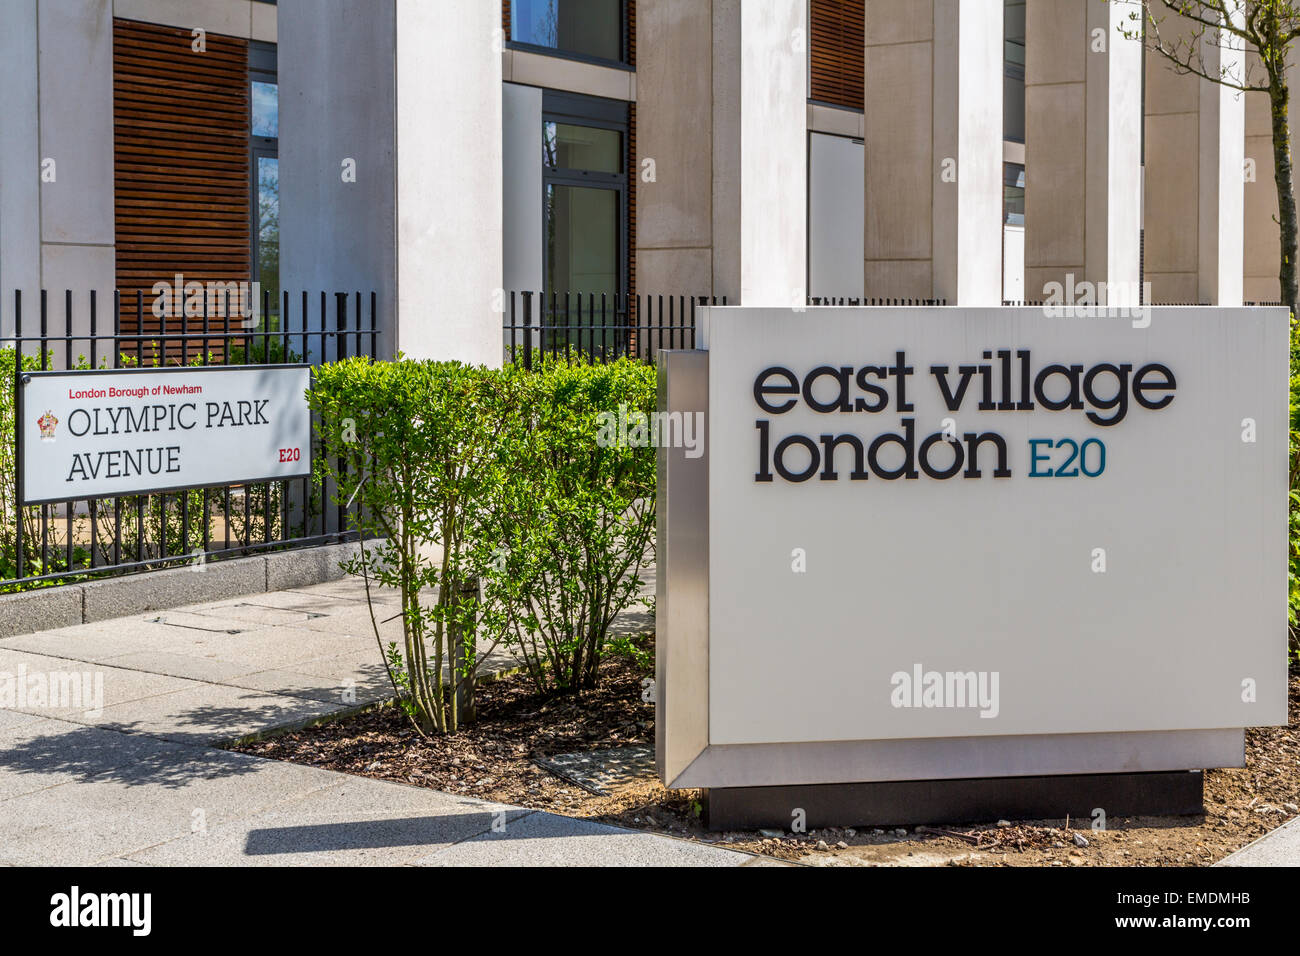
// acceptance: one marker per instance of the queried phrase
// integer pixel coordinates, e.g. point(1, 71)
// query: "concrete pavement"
point(1280, 847)
point(107, 758)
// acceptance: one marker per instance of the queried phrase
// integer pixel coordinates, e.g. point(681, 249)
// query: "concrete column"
point(1195, 147)
point(1083, 116)
point(337, 104)
point(1222, 209)
point(722, 111)
point(56, 159)
point(449, 180)
point(391, 165)
point(20, 160)
point(934, 151)
point(773, 152)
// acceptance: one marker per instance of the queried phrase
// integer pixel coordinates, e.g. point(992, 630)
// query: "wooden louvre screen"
point(181, 166)
point(838, 31)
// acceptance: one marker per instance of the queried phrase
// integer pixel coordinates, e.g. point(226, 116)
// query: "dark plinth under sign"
point(982, 800)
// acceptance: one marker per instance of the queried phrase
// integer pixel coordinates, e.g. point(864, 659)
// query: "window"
point(1013, 194)
point(264, 149)
point(584, 174)
point(590, 29)
point(566, 146)
point(582, 241)
point(1013, 70)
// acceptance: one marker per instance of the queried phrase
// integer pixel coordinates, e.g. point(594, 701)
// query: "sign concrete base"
point(982, 800)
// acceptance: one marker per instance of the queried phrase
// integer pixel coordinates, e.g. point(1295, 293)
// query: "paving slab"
point(547, 839)
point(278, 646)
point(210, 623)
point(139, 784)
point(357, 664)
point(286, 600)
point(77, 690)
point(45, 753)
point(11, 720)
point(171, 795)
point(349, 690)
point(178, 663)
point(99, 641)
point(356, 822)
point(207, 714)
point(250, 613)
point(1281, 847)
point(356, 621)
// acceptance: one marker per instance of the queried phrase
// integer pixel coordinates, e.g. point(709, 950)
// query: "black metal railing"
point(846, 300)
point(598, 327)
point(83, 538)
point(603, 327)
point(1035, 303)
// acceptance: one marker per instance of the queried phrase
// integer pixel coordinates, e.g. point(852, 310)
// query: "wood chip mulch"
point(493, 760)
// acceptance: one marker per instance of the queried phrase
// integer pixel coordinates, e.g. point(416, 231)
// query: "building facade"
point(446, 154)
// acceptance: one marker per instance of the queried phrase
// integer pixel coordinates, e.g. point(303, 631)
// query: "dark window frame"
point(625, 44)
point(263, 67)
point(573, 109)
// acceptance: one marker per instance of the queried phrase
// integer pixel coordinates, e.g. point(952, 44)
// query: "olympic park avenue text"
point(1006, 381)
point(152, 419)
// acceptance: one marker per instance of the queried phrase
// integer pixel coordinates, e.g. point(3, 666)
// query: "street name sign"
point(101, 433)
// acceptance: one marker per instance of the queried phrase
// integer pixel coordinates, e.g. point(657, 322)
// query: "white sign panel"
point(121, 432)
point(932, 523)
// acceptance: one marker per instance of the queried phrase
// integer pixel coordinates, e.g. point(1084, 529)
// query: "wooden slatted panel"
point(181, 176)
point(838, 29)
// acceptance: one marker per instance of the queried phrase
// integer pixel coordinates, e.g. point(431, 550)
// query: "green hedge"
point(506, 517)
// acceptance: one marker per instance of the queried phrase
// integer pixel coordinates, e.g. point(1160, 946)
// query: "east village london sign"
point(945, 543)
point(93, 434)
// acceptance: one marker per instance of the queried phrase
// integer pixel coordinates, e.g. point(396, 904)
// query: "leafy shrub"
point(571, 522)
point(415, 441)
point(499, 514)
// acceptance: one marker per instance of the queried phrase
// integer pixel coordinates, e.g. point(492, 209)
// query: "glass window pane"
point(1013, 84)
point(582, 147)
point(1013, 194)
point(581, 240)
point(266, 109)
point(587, 27)
point(268, 227)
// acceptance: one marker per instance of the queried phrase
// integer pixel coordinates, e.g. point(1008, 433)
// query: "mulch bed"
point(493, 760)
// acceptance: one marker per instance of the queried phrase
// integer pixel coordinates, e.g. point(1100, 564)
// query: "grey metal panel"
point(682, 586)
point(760, 765)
